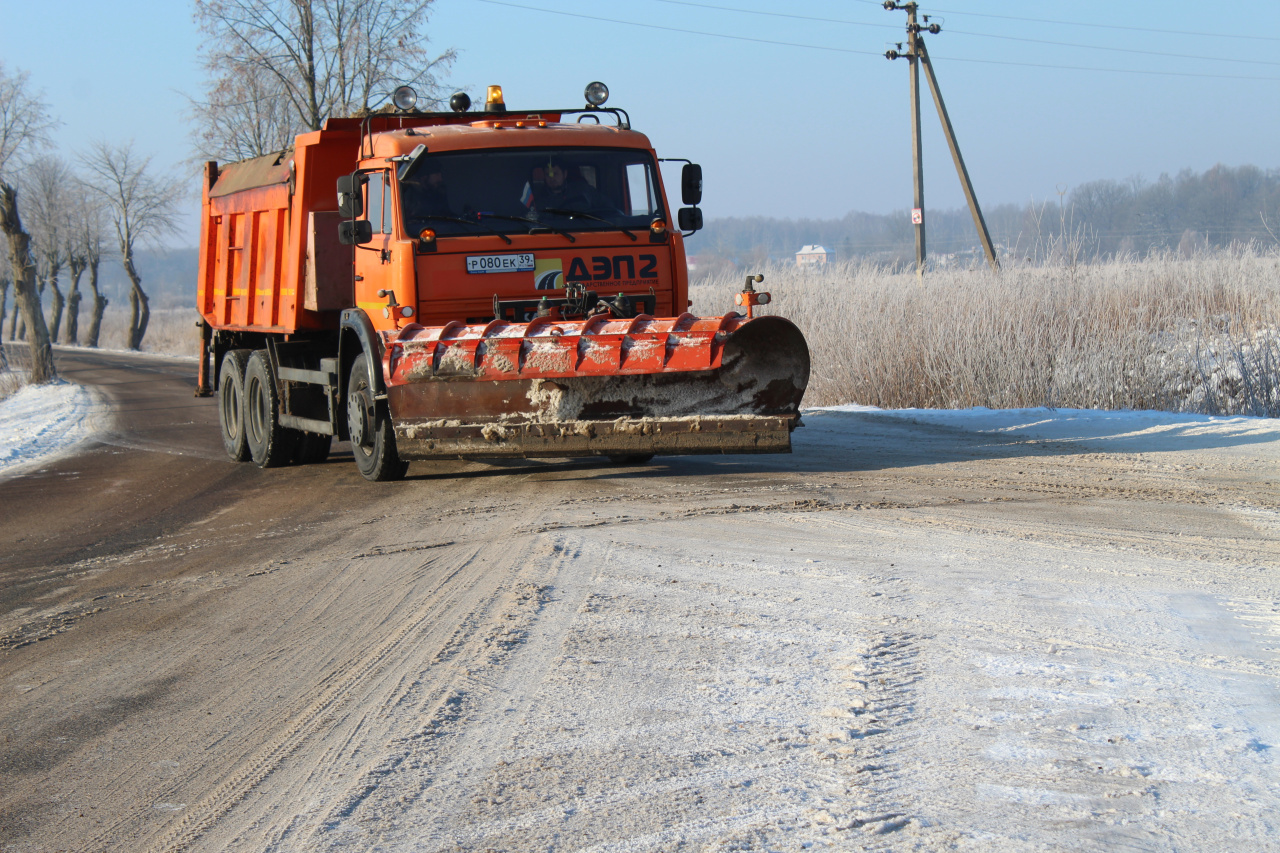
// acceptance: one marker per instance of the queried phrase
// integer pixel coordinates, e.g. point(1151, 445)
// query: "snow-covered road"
point(1030, 630)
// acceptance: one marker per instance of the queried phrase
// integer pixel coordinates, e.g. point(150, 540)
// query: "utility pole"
point(917, 54)
point(917, 145)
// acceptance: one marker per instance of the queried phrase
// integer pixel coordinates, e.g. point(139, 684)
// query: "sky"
point(791, 109)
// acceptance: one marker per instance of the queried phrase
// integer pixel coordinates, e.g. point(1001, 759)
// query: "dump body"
point(508, 286)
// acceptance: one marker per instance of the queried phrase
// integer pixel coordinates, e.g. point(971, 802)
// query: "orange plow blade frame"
point(599, 387)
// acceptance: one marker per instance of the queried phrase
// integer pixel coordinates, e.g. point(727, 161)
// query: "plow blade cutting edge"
point(601, 387)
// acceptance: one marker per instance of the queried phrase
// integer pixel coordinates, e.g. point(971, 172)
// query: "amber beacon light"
point(493, 101)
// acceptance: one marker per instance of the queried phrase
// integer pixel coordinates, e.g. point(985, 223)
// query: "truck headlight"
point(597, 93)
point(404, 98)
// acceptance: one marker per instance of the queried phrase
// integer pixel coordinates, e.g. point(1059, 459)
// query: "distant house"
point(814, 255)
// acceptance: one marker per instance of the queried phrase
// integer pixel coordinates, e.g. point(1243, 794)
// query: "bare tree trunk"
point(59, 304)
point(73, 301)
point(99, 306)
point(4, 310)
point(73, 317)
point(139, 306)
point(23, 272)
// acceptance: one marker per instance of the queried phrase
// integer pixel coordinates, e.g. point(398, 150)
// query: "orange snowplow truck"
point(473, 284)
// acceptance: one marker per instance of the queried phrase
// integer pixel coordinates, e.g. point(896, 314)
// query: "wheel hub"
point(360, 417)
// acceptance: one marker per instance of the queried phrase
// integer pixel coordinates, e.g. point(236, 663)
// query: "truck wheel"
point(231, 404)
point(270, 445)
point(312, 448)
point(373, 442)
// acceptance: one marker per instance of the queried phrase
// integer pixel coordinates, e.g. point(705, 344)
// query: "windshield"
point(513, 190)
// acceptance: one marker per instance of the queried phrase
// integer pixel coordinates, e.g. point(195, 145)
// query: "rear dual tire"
point(231, 404)
point(312, 448)
point(270, 444)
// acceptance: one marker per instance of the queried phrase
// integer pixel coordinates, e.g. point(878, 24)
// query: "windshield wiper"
point(444, 218)
point(532, 223)
point(560, 211)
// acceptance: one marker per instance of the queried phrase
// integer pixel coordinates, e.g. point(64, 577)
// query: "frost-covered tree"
point(49, 185)
point(24, 124)
point(141, 205)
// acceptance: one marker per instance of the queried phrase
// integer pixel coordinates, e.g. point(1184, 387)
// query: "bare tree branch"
point(141, 206)
point(47, 184)
point(298, 62)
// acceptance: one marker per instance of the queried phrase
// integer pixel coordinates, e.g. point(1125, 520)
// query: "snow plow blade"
point(600, 387)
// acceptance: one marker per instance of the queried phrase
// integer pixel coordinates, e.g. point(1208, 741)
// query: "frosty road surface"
point(1006, 631)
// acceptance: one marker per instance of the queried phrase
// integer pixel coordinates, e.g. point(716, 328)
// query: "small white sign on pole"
point(917, 216)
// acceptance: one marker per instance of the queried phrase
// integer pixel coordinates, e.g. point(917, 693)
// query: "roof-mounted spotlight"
point(460, 102)
point(404, 98)
point(493, 102)
point(597, 93)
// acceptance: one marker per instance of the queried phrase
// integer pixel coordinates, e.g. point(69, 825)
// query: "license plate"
point(522, 262)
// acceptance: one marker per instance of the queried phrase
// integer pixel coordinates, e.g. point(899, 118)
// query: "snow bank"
point(43, 422)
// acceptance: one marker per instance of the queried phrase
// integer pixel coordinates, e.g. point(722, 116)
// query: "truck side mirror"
point(350, 198)
point(691, 184)
point(690, 218)
point(356, 231)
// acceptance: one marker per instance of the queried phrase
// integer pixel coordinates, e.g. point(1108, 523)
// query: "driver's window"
point(379, 200)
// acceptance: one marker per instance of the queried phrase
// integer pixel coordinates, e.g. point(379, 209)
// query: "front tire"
point(270, 444)
point(373, 442)
point(231, 404)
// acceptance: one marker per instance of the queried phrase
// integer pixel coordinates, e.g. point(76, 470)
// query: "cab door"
point(373, 259)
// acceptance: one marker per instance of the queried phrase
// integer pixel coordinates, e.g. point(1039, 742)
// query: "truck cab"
point(507, 218)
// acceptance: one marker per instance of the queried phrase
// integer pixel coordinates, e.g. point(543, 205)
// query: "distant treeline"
point(1096, 220)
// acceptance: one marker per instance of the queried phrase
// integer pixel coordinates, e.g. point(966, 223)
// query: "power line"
point(867, 52)
point(1099, 26)
point(777, 14)
point(1103, 47)
point(1112, 70)
point(821, 20)
point(678, 29)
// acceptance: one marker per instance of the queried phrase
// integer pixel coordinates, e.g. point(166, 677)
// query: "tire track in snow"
point(607, 718)
point(465, 724)
point(283, 742)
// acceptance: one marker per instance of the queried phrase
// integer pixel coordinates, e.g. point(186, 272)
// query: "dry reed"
point(1192, 334)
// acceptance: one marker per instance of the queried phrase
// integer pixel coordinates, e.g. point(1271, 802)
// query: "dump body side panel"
point(269, 231)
